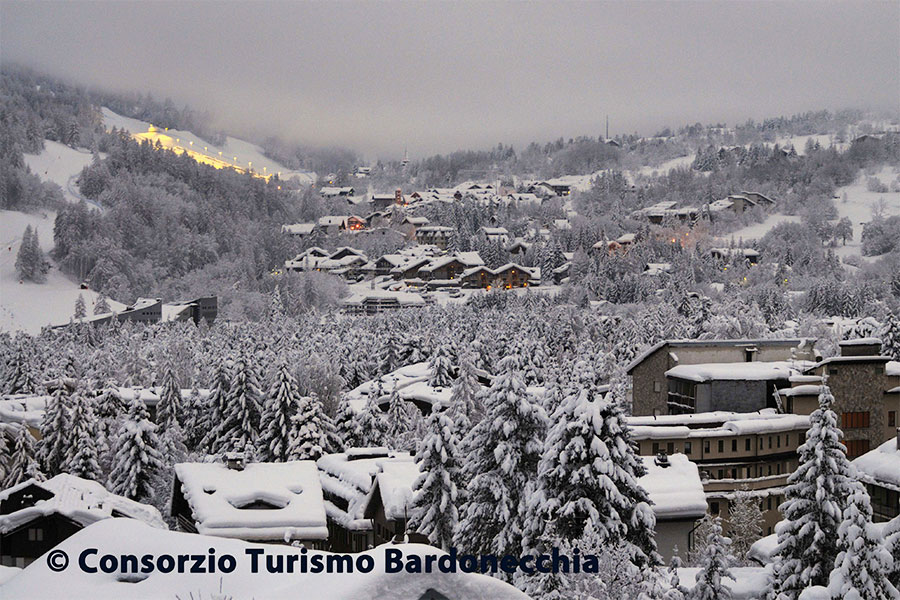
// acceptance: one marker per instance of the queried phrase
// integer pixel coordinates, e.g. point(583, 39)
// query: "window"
point(655, 448)
point(687, 447)
point(734, 445)
point(892, 418)
point(778, 441)
point(656, 386)
point(747, 444)
point(714, 508)
point(721, 446)
point(770, 442)
point(721, 474)
point(854, 420)
point(670, 448)
point(856, 447)
point(35, 534)
point(734, 474)
point(706, 446)
point(769, 503)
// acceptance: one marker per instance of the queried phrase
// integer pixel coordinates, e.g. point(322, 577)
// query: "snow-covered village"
point(281, 318)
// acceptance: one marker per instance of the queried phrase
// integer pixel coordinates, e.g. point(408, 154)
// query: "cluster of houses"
point(672, 211)
point(154, 310)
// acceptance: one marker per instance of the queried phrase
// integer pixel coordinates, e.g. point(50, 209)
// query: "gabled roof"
point(299, 228)
point(217, 494)
point(881, 466)
point(80, 500)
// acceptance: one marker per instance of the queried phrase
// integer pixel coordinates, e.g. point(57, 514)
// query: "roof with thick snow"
point(766, 421)
point(298, 228)
point(738, 371)
point(676, 490)
point(881, 466)
point(348, 480)
point(219, 498)
point(395, 488)
point(793, 342)
point(81, 500)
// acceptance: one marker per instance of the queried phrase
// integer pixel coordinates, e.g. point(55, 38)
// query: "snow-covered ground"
point(860, 204)
point(129, 536)
point(29, 306)
point(758, 230)
point(61, 165)
point(665, 167)
point(235, 151)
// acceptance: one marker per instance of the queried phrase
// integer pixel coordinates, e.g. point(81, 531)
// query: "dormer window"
point(258, 504)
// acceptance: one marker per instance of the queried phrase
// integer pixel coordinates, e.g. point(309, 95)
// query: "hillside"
point(61, 165)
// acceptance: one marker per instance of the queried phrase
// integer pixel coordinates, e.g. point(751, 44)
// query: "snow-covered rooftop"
point(81, 500)
point(881, 465)
point(749, 424)
point(676, 490)
point(395, 483)
point(218, 496)
point(737, 371)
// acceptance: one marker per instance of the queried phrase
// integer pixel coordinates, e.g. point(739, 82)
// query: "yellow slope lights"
point(154, 135)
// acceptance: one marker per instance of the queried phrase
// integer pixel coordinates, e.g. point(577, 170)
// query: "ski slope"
point(61, 165)
point(235, 152)
point(29, 306)
point(860, 205)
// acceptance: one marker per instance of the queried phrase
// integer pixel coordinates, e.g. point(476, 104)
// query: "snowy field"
point(129, 536)
point(29, 306)
point(244, 151)
point(758, 230)
point(859, 207)
point(61, 165)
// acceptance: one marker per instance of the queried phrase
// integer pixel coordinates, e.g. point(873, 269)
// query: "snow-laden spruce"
point(441, 367)
point(239, 429)
point(84, 457)
point(56, 432)
point(715, 565)
point(502, 454)
point(892, 545)
point(465, 405)
point(815, 497)
point(170, 405)
point(310, 430)
point(282, 404)
point(745, 519)
point(434, 512)
point(20, 378)
point(23, 464)
point(137, 462)
point(861, 569)
point(216, 404)
point(345, 425)
point(371, 423)
point(589, 472)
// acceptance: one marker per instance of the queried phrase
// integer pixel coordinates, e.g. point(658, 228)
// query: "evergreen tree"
point(745, 519)
point(503, 452)
point(890, 336)
point(434, 509)
point(399, 420)
point(137, 462)
point(206, 427)
point(239, 429)
point(22, 465)
point(80, 310)
point(815, 497)
point(389, 358)
point(30, 262)
point(169, 409)
point(310, 439)
point(282, 404)
point(892, 545)
point(862, 568)
point(440, 367)
point(371, 424)
point(346, 425)
point(5, 453)
point(465, 407)
point(714, 566)
point(56, 432)
point(102, 305)
point(84, 461)
point(20, 373)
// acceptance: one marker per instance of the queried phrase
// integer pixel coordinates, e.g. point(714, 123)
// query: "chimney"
point(662, 460)
point(861, 347)
point(235, 460)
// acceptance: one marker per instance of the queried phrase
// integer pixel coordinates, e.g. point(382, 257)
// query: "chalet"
point(153, 310)
point(346, 262)
point(390, 501)
point(444, 268)
point(373, 302)
point(383, 201)
point(668, 211)
point(541, 189)
point(518, 246)
point(348, 480)
point(299, 229)
point(749, 256)
point(879, 470)
point(257, 502)
point(560, 186)
point(335, 224)
point(410, 269)
point(512, 275)
point(676, 491)
point(495, 234)
point(657, 269)
point(35, 515)
point(434, 234)
point(335, 192)
point(411, 224)
point(479, 277)
point(523, 200)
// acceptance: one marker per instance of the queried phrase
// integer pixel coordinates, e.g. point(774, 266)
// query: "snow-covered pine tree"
point(84, 458)
point(465, 407)
point(890, 336)
point(80, 309)
point(282, 403)
point(389, 357)
point(436, 491)
point(137, 462)
point(587, 473)
point(441, 367)
point(371, 424)
point(503, 453)
point(23, 464)
point(239, 429)
point(30, 262)
point(56, 433)
point(216, 405)
point(815, 497)
point(346, 425)
point(861, 569)
point(5, 452)
point(745, 518)
point(101, 306)
point(399, 420)
point(309, 440)
point(892, 545)
point(169, 409)
point(20, 373)
point(715, 565)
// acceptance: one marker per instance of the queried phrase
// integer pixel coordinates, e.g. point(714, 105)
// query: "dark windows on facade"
point(854, 420)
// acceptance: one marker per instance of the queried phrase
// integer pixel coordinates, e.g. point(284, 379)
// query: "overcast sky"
point(437, 77)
